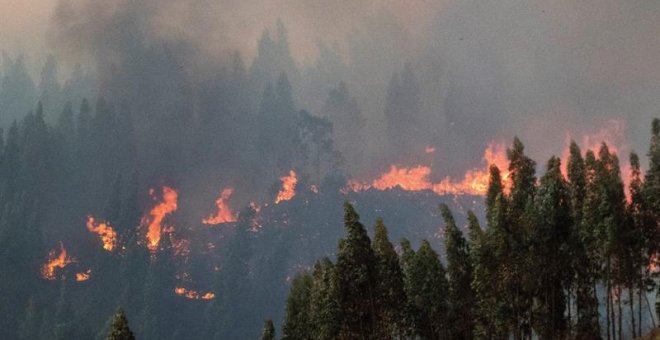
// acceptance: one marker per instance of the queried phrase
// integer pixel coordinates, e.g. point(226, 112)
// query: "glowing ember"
point(83, 276)
point(429, 149)
point(475, 181)
point(104, 230)
point(654, 264)
point(288, 190)
point(154, 220)
point(225, 214)
point(314, 188)
point(55, 261)
point(181, 247)
point(193, 295)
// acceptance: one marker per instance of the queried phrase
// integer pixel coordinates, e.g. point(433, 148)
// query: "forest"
point(552, 253)
point(179, 169)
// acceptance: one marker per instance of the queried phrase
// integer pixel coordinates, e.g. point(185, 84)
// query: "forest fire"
point(83, 276)
point(475, 181)
point(288, 190)
point(54, 262)
point(154, 220)
point(193, 295)
point(104, 230)
point(224, 214)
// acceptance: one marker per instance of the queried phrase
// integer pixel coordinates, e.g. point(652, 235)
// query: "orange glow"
point(83, 276)
point(181, 247)
point(55, 261)
point(288, 190)
point(225, 214)
point(414, 179)
point(154, 220)
point(654, 265)
point(104, 230)
point(613, 134)
point(193, 295)
point(475, 181)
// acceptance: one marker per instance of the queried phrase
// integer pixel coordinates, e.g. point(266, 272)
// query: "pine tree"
point(390, 294)
point(549, 237)
point(516, 268)
point(268, 332)
point(297, 325)
point(325, 314)
point(427, 290)
point(120, 329)
point(459, 270)
point(585, 301)
point(356, 275)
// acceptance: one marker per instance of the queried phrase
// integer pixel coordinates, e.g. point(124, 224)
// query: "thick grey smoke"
point(484, 69)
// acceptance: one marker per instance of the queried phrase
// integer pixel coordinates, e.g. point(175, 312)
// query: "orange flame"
point(104, 230)
point(613, 134)
point(83, 276)
point(225, 214)
point(156, 216)
point(288, 190)
point(475, 181)
point(193, 295)
point(54, 262)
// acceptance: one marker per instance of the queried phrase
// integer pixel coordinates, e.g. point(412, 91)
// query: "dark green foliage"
point(357, 275)
point(428, 292)
point(325, 313)
point(389, 287)
point(120, 329)
point(459, 270)
point(268, 332)
point(550, 237)
point(297, 324)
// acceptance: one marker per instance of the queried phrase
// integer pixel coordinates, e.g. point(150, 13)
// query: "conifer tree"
point(297, 325)
point(268, 332)
point(550, 236)
point(325, 314)
point(356, 275)
point(427, 290)
point(389, 286)
point(120, 329)
point(459, 270)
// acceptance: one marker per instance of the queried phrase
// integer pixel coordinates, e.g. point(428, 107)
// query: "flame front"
point(104, 230)
point(156, 216)
point(83, 276)
point(225, 214)
point(55, 261)
point(288, 190)
point(193, 295)
point(475, 181)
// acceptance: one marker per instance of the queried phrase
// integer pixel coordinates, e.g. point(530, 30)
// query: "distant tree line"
point(554, 252)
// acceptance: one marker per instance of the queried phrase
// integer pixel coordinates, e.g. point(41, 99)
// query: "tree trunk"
point(639, 301)
point(631, 301)
point(618, 294)
point(607, 304)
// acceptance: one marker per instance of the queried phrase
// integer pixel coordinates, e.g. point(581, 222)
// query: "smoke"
point(486, 70)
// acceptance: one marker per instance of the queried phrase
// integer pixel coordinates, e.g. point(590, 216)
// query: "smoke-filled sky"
point(539, 69)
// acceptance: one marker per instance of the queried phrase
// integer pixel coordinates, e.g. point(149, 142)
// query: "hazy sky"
point(24, 23)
